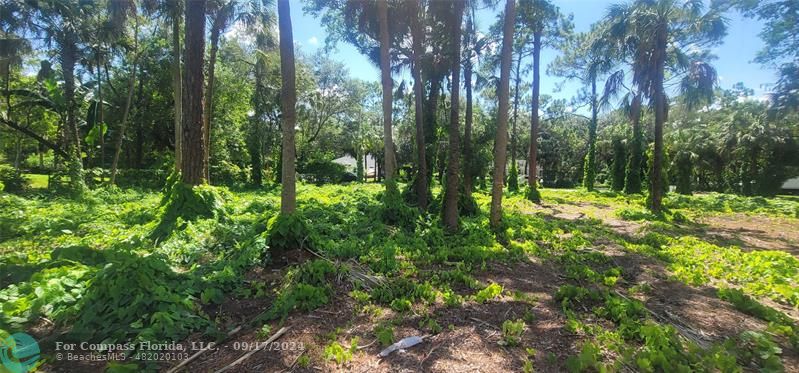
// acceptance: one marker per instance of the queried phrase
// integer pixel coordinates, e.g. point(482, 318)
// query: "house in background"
point(349, 162)
point(791, 186)
point(521, 165)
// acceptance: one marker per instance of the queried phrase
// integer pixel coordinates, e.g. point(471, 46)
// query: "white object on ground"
point(402, 344)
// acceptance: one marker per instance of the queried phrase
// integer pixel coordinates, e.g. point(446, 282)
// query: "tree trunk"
point(72, 135)
point(418, 92)
point(532, 174)
point(515, 109)
point(126, 114)
point(100, 118)
point(288, 100)
point(177, 85)
point(501, 142)
point(209, 93)
point(589, 177)
point(385, 73)
point(453, 156)
point(431, 111)
point(656, 188)
point(193, 160)
point(468, 178)
point(632, 179)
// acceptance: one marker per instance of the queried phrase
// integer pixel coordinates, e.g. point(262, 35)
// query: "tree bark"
point(418, 92)
point(656, 188)
point(385, 74)
point(515, 108)
point(632, 179)
point(453, 158)
point(468, 178)
point(501, 142)
point(209, 91)
point(193, 160)
point(532, 174)
point(177, 85)
point(590, 159)
point(288, 100)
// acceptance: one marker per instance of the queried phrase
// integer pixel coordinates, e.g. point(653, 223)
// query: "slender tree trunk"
point(632, 180)
point(193, 160)
point(209, 94)
point(589, 177)
point(468, 178)
point(656, 188)
point(453, 157)
point(385, 73)
point(532, 178)
point(100, 119)
point(501, 142)
point(126, 114)
point(72, 135)
point(288, 100)
point(418, 93)
point(431, 111)
point(515, 109)
point(177, 85)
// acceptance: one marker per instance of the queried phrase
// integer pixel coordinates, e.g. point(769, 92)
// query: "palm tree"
point(193, 161)
point(453, 158)
point(501, 142)
point(288, 100)
point(653, 32)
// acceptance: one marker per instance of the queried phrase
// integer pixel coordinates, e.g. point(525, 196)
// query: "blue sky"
point(734, 63)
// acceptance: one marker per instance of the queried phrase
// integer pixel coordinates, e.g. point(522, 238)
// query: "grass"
point(65, 260)
point(38, 181)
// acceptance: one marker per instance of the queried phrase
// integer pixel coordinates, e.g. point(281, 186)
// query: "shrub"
point(512, 331)
point(488, 293)
point(532, 194)
point(12, 180)
point(323, 171)
point(286, 232)
point(513, 178)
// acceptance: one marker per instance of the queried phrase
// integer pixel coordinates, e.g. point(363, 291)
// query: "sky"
point(734, 63)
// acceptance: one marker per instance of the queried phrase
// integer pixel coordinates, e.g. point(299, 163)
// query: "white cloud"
point(313, 40)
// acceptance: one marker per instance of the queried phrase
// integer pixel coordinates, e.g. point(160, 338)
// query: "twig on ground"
point(261, 346)
point(484, 323)
point(198, 353)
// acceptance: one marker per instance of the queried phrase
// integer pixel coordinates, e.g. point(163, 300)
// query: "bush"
point(12, 180)
point(286, 232)
point(323, 171)
point(395, 211)
point(513, 178)
point(185, 202)
point(532, 194)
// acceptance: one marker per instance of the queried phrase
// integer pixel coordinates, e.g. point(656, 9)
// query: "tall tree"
point(453, 156)
point(388, 100)
point(501, 142)
point(656, 32)
point(133, 61)
point(288, 100)
point(547, 26)
point(417, 34)
point(175, 10)
point(193, 164)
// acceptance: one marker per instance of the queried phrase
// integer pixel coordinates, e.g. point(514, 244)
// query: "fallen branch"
point(260, 347)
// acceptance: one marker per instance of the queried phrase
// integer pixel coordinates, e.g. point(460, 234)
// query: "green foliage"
point(335, 351)
point(532, 194)
point(488, 293)
point(513, 178)
point(304, 288)
point(137, 299)
point(778, 321)
point(322, 171)
point(182, 203)
point(512, 331)
point(385, 335)
point(395, 211)
point(588, 359)
point(264, 332)
point(617, 165)
point(286, 232)
point(12, 181)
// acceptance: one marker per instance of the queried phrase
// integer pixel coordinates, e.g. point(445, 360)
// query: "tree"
point(586, 57)
point(133, 61)
point(385, 78)
point(288, 100)
point(417, 35)
point(646, 30)
point(193, 164)
point(453, 156)
point(547, 26)
point(501, 142)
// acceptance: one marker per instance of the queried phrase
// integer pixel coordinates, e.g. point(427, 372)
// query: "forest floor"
point(582, 282)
